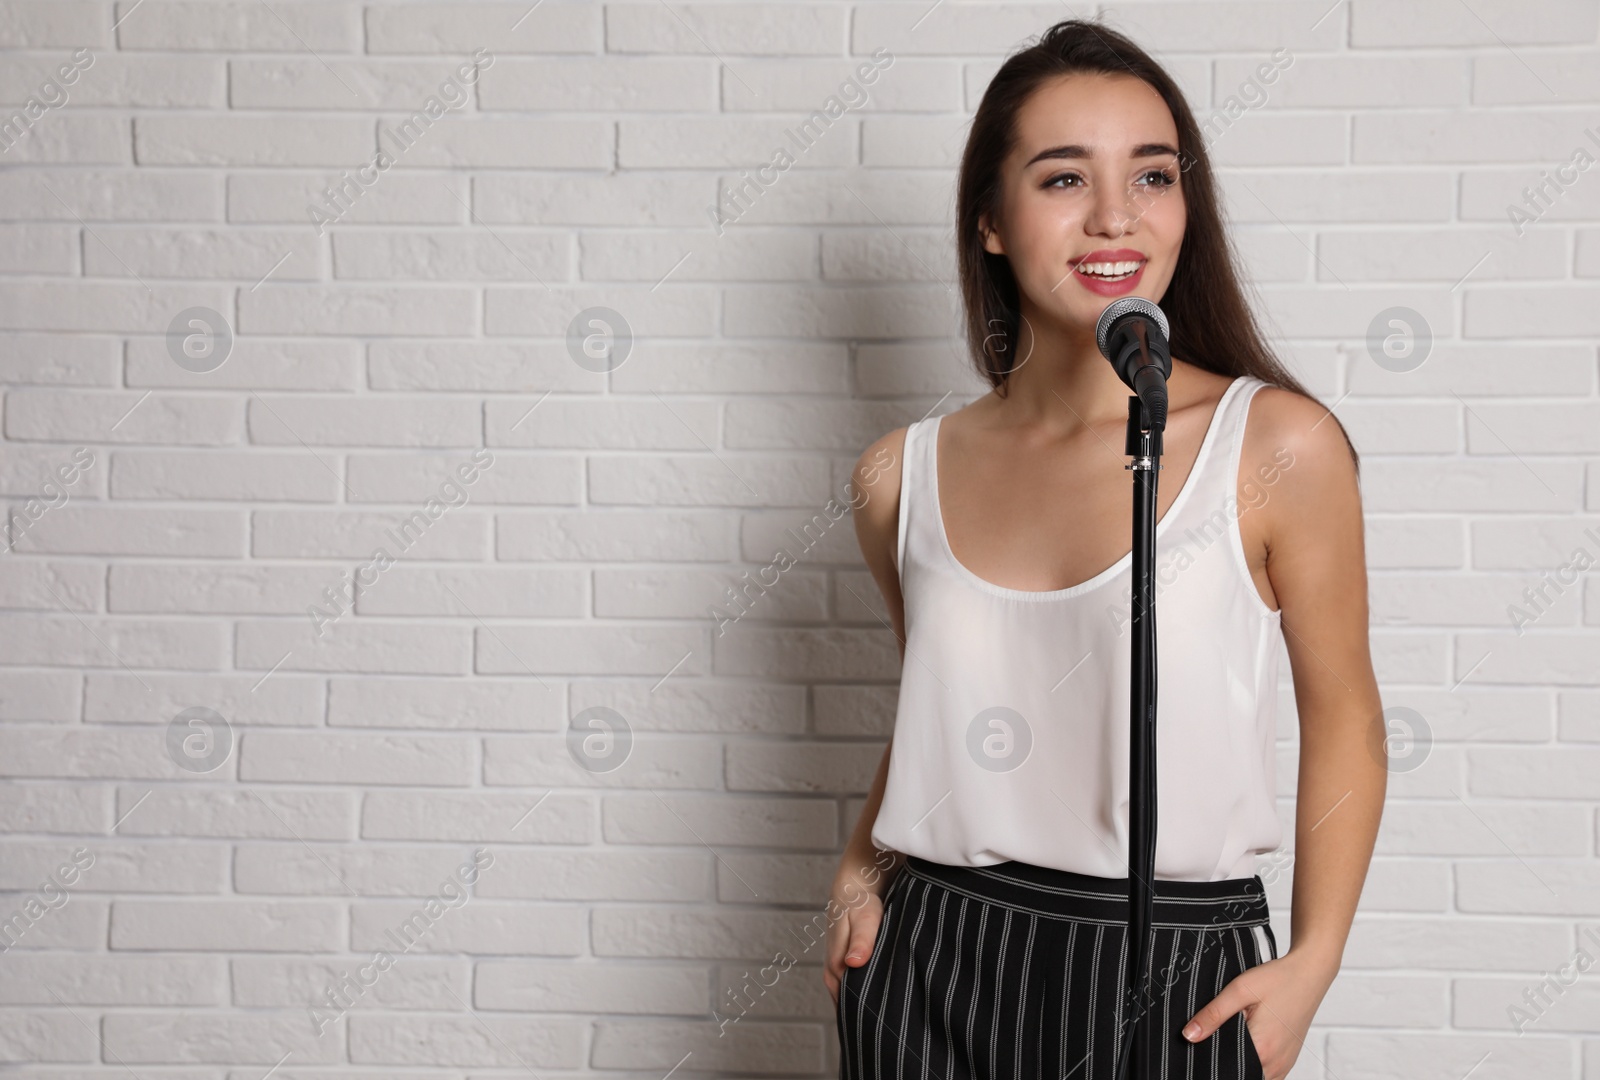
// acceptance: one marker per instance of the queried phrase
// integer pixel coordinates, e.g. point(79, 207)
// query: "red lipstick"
point(1108, 258)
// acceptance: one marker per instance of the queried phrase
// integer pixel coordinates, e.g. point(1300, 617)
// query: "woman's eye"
point(1154, 178)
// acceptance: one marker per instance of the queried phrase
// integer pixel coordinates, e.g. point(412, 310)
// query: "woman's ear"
point(991, 239)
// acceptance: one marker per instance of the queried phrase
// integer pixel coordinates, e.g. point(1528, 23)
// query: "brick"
point(79, 195)
point(288, 815)
point(234, 25)
point(589, 650)
point(354, 759)
point(489, 367)
point(1345, 81)
point(36, 585)
point(294, 869)
point(1437, 24)
point(1555, 192)
point(664, 199)
point(366, 419)
point(290, 982)
point(580, 423)
point(479, 593)
point(792, 367)
point(534, 986)
point(876, 197)
point(38, 249)
point(317, 534)
point(252, 140)
point(1255, 26)
point(37, 808)
point(482, 927)
point(125, 530)
point(356, 310)
point(479, 818)
point(1502, 79)
point(620, 536)
point(345, 85)
point(1442, 135)
point(253, 363)
point(680, 594)
point(599, 84)
point(1448, 255)
point(93, 305)
point(55, 24)
point(1364, 196)
point(61, 415)
point(504, 28)
point(249, 255)
point(702, 480)
point(751, 1047)
point(1538, 311)
point(670, 310)
point(522, 762)
point(746, 29)
point(44, 696)
point(120, 980)
point(498, 143)
point(964, 30)
point(885, 255)
point(247, 590)
point(887, 83)
point(759, 311)
point(480, 254)
point(117, 755)
point(244, 700)
point(476, 1041)
point(348, 644)
point(115, 80)
point(58, 137)
point(504, 479)
point(58, 360)
point(443, 704)
point(742, 255)
point(289, 198)
point(739, 142)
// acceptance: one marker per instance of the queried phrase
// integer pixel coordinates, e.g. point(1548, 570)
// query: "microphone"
point(1132, 334)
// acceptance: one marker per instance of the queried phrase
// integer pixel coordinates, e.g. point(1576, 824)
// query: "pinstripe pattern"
point(1014, 972)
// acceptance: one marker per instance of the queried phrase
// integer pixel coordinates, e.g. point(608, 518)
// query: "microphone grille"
point(1117, 309)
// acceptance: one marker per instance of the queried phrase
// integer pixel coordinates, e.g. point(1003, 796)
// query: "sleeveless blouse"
point(1011, 730)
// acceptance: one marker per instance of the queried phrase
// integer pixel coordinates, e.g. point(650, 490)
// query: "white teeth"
point(1109, 269)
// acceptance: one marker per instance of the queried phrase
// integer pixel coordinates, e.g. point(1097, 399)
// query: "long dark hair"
point(1213, 326)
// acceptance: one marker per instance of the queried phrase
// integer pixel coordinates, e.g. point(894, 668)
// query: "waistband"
point(1062, 894)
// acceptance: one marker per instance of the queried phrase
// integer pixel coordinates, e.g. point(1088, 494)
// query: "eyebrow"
point(1075, 150)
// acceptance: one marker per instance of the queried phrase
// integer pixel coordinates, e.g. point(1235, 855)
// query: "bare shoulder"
point(1303, 429)
point(1301, 445)
point(875, 494)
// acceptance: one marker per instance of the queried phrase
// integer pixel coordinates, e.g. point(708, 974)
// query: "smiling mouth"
point(1119, 270)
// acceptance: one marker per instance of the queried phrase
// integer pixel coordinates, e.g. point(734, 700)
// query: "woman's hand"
point(851, 936)
point(1278, 999)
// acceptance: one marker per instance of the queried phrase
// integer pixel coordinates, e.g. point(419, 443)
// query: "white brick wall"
point(362, 765)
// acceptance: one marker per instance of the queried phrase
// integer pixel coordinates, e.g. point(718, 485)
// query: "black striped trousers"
point(1015, 971)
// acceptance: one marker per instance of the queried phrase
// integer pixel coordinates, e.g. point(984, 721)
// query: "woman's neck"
point(1063, 382)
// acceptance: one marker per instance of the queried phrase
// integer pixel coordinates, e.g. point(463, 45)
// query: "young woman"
point(984, 891)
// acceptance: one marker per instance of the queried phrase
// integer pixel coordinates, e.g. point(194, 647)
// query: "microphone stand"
point(1139, 1049)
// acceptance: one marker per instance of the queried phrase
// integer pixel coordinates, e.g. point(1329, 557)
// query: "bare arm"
point(1316, 562)
point(865, 871)
point(877, 521)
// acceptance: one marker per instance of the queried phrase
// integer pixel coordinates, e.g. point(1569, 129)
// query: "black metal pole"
point(1138, 1045)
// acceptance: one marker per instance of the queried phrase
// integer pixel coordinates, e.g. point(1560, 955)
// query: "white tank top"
point(1011, 731)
